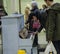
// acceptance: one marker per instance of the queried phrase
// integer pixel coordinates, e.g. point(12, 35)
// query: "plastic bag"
point(50, 49)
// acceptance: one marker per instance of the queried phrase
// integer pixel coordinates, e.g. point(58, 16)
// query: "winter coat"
point(36, 11)
point(53, 23)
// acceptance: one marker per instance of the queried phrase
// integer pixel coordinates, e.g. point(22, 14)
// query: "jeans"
point(35, 43)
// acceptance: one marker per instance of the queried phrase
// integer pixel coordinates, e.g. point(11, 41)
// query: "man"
point(53, 24)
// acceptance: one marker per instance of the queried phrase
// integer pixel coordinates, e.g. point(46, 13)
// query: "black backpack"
point(43, 14)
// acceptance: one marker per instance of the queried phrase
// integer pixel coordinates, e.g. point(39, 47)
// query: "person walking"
point(53, 24)
point(36, 11)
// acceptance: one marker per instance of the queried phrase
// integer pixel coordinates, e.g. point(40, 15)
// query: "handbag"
point(50, 49)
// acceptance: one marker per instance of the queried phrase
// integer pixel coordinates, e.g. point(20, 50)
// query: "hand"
point(35, 32)
point(49, 41)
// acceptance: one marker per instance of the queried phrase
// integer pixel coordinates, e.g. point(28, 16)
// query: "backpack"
point(44, 15)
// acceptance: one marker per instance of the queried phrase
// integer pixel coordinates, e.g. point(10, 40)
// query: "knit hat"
point(34, 3)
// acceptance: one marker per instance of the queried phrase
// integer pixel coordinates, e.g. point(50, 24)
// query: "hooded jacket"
point(53, 23)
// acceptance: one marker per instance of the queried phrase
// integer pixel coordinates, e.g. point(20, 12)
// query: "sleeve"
point(51, 25)
point(39, 30)
point(40, 19)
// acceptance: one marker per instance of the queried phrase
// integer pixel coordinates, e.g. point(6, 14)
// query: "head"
point(28, 6)
point(27, 9)
point(49, 2)
point(34, 17)
point(34, 4)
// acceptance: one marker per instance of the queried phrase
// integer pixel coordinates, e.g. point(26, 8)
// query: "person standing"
point(53, 24)
point(27, 12)
point(36, 11)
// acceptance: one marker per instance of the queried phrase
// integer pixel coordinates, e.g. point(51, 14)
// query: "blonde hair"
point(27, 11)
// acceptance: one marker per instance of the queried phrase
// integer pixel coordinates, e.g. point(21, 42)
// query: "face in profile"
point(47, 2)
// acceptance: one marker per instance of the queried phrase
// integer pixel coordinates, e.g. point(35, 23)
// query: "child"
point(36, 23)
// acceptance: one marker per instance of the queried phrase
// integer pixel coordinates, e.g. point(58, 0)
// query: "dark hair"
point(48, 0)
point(31, 15)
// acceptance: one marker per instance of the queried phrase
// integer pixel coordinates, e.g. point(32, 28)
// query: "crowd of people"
point(37, 19)
point(48, 18)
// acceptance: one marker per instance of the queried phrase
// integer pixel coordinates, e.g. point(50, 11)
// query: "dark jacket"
point(43, 13)
point(36, 11)
point(53, 23)
point(30, 22)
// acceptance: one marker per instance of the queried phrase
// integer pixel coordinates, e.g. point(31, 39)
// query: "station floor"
point(41, 40)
